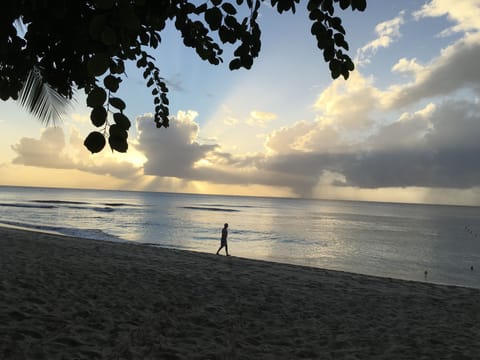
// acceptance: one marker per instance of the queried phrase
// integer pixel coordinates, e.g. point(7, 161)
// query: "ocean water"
point(382, 239)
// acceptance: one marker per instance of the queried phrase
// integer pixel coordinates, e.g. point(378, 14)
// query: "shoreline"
point(87, 299)
point(268, 261)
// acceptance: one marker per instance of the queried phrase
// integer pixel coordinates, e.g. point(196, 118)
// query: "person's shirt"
point(224, 233)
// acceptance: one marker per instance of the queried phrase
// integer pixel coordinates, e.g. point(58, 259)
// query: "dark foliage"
point(84, 44)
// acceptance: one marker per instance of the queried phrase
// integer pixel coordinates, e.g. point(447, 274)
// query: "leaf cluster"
point(85, 44)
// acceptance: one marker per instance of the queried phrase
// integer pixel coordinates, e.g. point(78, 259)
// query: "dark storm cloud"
point(446, 155)
point(456, 69)
point(447, 168)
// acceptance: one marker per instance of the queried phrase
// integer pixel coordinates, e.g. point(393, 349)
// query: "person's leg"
point(226, 249)
point(220, 248)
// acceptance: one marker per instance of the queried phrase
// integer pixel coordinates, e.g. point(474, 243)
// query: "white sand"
point(66, 298)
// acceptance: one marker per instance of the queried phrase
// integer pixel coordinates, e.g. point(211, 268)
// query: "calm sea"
point(383, 239)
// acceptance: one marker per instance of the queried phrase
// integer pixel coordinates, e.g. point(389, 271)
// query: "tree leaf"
point(112, 83)
point(340, 41)
point(117, 67)
point(118, 138)
point(117, 103)
point(43, 101)
point(229, 8)
point(328, 53)
point(117, 131)
point(344, 4)
point(336, 23)
point(127, 15)
point(98, 116)
point(108, 36)
point(121, 120)
point(235, 64)
point(164, 98)
point(104, 4)
point(95, 142)
point(96, 97)
point(96, 26)
point(98, 64)
point(213, 17)
point(360, 5)
point(118, 144)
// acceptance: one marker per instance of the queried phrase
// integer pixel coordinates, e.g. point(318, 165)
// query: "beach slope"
point(67, 298)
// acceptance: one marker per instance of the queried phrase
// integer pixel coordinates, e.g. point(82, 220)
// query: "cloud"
point(176, 152)
point(304, 136)
point(387, 32)
point(48, 151)
point(464, 13)
point(230, 121)
point(172, 152)
point(434, 147)
point(285, 139)
point(431, 147)
point(409, 129)
point(349, 104)
point(80, 118)
point(407, 66)
point(52, 151)
point(260, 118)
point(420, 149)
point(452, 70)
point(437, 147)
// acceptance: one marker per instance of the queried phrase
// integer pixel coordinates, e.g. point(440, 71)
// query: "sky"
point(405, 127)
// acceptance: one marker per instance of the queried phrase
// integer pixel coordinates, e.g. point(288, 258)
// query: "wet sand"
point(67, 298)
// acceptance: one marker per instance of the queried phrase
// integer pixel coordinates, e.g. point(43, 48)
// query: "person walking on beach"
point(223, 239)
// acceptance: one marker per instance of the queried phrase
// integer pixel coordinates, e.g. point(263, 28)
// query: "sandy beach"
point(67, 298)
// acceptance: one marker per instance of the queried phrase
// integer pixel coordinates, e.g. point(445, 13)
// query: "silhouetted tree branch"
point(50, 48)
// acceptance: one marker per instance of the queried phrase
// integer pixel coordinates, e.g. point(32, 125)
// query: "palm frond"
point(41, 100)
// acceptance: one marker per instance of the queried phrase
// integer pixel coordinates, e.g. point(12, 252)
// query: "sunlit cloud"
point(387, 32)
point(52, 151)
point(260, 118)
point(47, 151)
point(230, 120)
point(80, 118)
point(407, 66)
point(305, 136)
point(348, 105)
point(464, 13)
